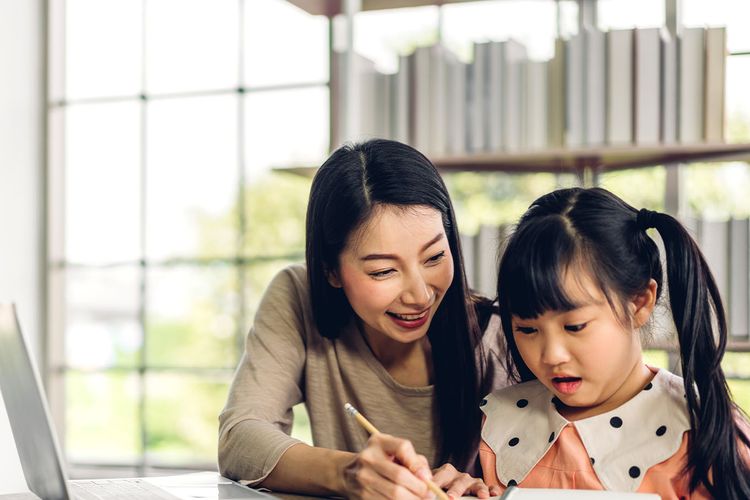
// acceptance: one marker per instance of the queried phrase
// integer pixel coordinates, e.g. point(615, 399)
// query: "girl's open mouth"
point(566, 385)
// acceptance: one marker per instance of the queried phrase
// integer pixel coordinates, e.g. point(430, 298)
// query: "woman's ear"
point(333, 278)
point(643, 304)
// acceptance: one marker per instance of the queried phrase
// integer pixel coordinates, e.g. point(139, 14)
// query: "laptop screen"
point(27, 411)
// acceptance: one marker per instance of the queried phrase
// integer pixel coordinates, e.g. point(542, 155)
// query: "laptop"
point(38, 450)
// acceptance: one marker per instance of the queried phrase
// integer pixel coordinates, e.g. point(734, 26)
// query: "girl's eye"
point(575, 328)
point(526, 330)
point(436, 258)
point(381, 274)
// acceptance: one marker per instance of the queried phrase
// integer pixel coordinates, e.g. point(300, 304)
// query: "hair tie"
point(645, 219)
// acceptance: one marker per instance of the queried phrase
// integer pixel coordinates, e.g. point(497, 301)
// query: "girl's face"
point(395, 271)
point(587, 357)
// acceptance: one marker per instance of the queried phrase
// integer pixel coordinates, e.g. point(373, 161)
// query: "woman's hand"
point(387, 468)
point(458, 483)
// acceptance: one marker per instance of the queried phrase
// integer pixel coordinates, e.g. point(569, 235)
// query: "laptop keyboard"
point(116, 489)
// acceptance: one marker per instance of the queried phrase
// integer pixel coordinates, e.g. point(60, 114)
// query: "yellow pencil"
point(437, 490)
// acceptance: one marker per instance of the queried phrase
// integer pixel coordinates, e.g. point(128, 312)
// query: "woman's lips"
point(410, 321)
point(566, 385)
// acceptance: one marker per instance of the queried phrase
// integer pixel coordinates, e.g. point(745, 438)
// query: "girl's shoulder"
point(522, 424)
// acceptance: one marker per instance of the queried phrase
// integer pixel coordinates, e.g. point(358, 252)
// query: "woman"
point(381, 317)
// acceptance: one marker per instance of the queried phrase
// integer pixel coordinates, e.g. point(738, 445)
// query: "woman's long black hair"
point(595, 231)
point(346, 189)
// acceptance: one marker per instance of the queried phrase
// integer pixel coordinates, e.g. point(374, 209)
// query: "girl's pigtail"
point(714, 459)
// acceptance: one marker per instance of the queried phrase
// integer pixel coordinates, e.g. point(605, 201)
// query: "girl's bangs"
point(533, 268)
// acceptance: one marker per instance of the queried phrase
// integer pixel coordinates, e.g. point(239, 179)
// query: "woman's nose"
point(416, 291)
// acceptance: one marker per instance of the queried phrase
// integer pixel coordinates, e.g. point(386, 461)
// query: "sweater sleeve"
point(255, 424)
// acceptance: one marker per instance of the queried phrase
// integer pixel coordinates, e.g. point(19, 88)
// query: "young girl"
point(578, 279)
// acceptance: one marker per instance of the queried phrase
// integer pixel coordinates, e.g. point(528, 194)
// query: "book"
point(496, 69)
point(691, 74)
point(716, 53)
point(739, 279)
point(515, 493)
point(647, 88)
point(620, 87)
point(437, 100)
point(556, 97)
point(400, 102)
point(594, 122)
point(419, 91)
point(513, 89)
point(535, 106)
point(713, 239)
point(477, 105)
point(456, 100)
point(669, 89)
point(574, 97)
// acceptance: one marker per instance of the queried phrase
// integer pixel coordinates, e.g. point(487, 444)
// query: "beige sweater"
point(286, 361)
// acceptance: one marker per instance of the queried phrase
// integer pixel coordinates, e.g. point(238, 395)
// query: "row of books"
point(618, 88)
point(725, 245)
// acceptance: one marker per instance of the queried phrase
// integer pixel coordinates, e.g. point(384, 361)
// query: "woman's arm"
point(387, 468)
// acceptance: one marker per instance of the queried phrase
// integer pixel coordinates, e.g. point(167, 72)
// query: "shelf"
point(576, 160)
point(331, 8)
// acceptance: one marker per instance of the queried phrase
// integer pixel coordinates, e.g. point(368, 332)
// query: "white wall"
point(21, 161)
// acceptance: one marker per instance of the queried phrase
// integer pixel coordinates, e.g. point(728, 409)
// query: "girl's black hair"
point(595, 231)
point(355, 180)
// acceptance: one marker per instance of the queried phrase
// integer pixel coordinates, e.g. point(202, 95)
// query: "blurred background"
point(155, 163)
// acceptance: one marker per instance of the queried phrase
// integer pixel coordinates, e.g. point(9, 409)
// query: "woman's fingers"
point(388, 467)
point(396, 460)
point(458, 483)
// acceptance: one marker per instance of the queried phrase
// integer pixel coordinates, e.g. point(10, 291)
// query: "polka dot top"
point(637, 447)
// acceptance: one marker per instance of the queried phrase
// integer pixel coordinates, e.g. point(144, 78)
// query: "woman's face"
point(395, 271)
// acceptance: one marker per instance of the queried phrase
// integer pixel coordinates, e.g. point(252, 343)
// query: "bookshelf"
point(332, 8)
point(586, 161)
point(575, 160)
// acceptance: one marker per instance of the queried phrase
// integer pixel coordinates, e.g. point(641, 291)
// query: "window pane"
point(494, 198)
point(717, 191)
point(192, 177)
point(103, 48)
point(191, 317)
point(623, 14)
point(102, 417)
point(534, 24)
point(730, 13)
point(191, 45)
point(175, 436)
point(286, 128)
point(284, 44)
point(275, 208)
point(736, 364)
point(102, 323)
point(629, 185)
point(740, 390)
point(102, 182)
point(738, 99)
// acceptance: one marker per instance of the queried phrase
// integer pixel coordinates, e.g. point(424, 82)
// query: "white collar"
point(522, 425)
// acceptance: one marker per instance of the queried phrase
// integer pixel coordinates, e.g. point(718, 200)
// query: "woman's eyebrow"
point(389, 256)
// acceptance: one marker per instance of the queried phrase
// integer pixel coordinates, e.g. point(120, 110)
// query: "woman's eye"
point(436, 258)
point(526, 330)
point(575, 328)
point(381, 274)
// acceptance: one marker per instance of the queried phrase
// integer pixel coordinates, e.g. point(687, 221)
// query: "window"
point(167, 218)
